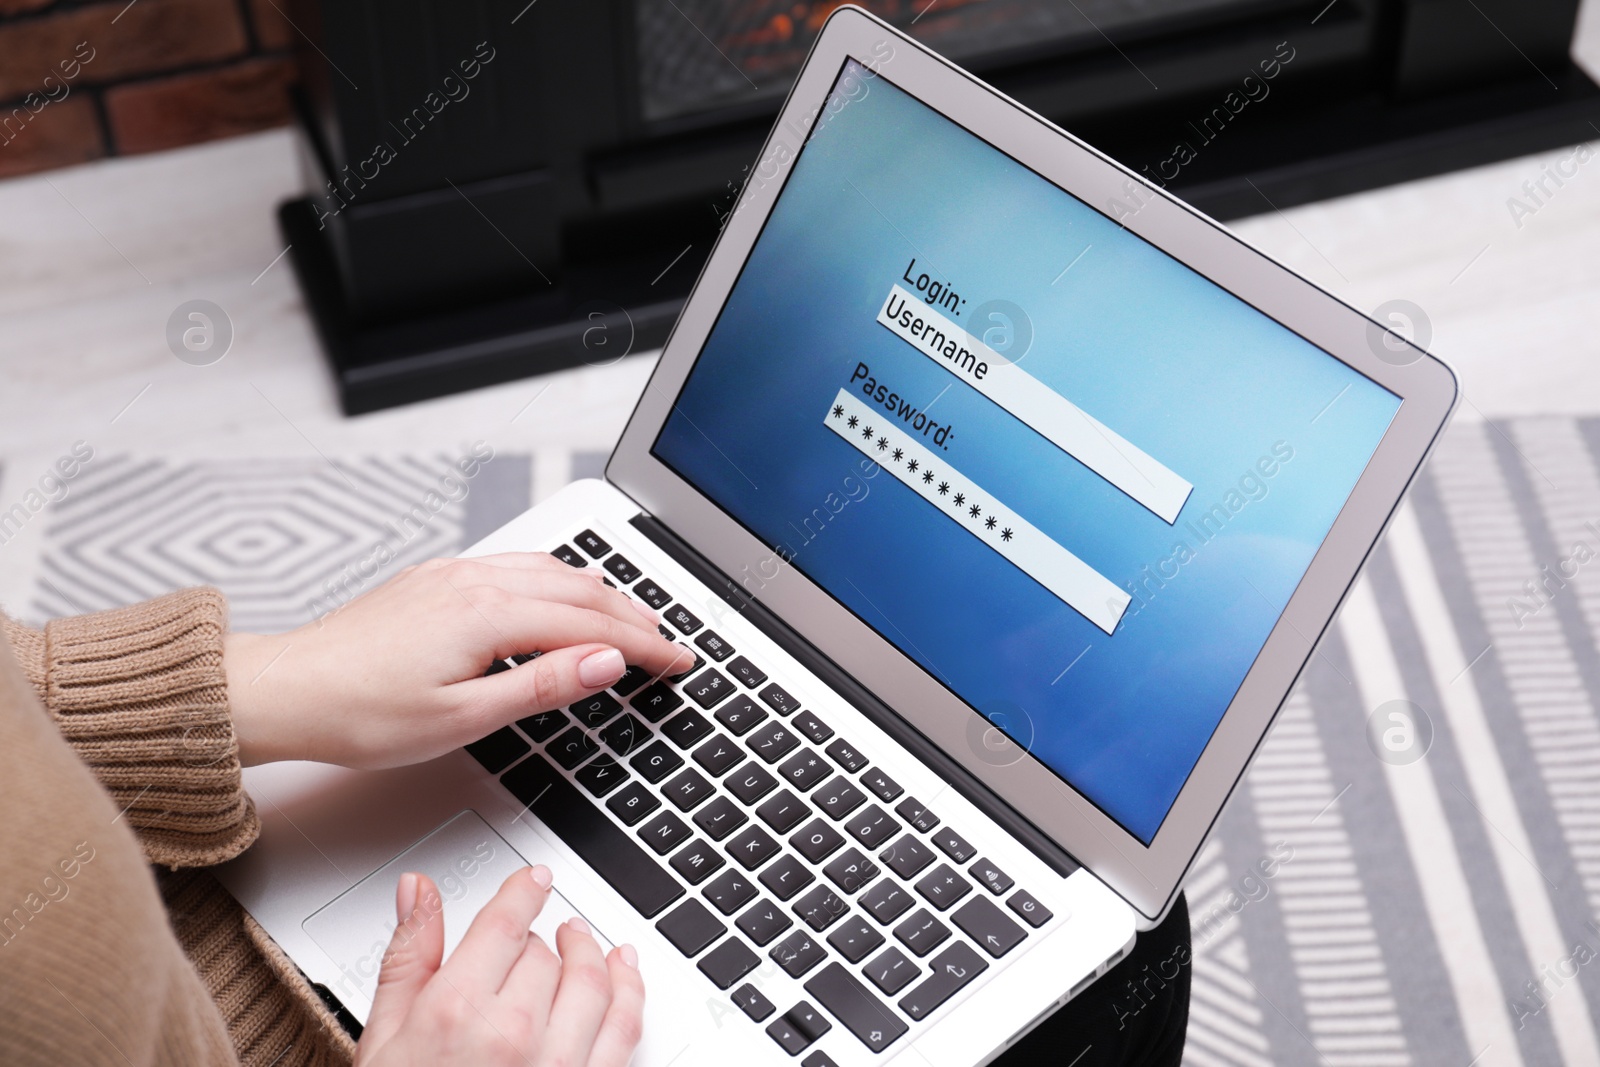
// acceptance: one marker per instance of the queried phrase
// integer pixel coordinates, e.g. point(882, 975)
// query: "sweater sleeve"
point(140, 694)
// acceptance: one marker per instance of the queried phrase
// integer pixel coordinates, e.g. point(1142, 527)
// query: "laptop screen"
point(1072, 479)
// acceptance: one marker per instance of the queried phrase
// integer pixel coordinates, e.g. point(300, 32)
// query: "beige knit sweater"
point(116, 946)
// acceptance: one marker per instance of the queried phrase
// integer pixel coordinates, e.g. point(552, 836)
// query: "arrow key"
point(986, 924)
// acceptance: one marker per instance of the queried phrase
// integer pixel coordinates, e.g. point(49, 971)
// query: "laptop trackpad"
point(466, 859)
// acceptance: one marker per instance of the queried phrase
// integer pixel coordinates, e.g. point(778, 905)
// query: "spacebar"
point(615, 856)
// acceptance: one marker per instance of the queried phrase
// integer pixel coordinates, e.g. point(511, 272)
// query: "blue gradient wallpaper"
point(1271, 431)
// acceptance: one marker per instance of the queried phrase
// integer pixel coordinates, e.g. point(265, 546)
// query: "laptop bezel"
point(1147, 877)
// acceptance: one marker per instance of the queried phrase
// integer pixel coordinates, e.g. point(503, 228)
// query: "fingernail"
point(647, 611)
point(599, 669)
point(405, 898)
point(578, 925)
point(542, 875)
point(630, 956)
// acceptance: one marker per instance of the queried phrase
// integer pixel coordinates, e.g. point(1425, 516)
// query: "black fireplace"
point(507, 188)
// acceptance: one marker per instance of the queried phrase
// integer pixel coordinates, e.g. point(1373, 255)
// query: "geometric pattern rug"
point(1359, 904)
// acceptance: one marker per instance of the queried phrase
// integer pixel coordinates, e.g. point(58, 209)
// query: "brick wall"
point(82, 79)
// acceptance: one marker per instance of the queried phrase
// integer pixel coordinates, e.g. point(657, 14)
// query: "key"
point(656, 701)
point(812, 727)
point(625, 734)
point(772, 741)
point(1033, 913)
point(633, 803)
point(881, 785)
point(602, 775)
point(846, 756)
point(752, 847)
point(778, 699)
point(496, 667)
point(804, 770)
point(655, 761)
point(942, 886)
point(696, 862)
point(750, 783)
point(543, 726)
point(907, 856)
point(921, 932)
point(786, 877)
point(783, 811)
point(687, 728)
point(741, 715)
point(525, 657)
point(854, 938)
point(854, 1005)
point(797, 953)
point(664, 833)
point(990, 877)
point(566, 555)
point(594, 711)
point(624, 571)
point(839, 797)
point(708, 688)
point(718, 756)
point(720, 818)
point(788, 1032)
point(872, 827)
point(818, 1058)
point(986, 924)
point(951, 970)
point(690, 927)
point(891, 971)
point(631, 679)
point(886, 901)
point(688, 789)
point(954, 845)
point(598, 841)
point(699, 660)
point(821, 908)
point(912, 811)
point(850, 870)
point(591, 543)
point(816, 840)
point(499, 750)
point(729, 891)
point(682, 619)
point(747, 673)
point(714, 645)
point(752, 1003)
point(652, 594)
point(728, 962)
point(571, 748)
point(763, 922)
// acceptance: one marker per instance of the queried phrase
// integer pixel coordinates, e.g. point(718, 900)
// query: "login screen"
point(1072, 479)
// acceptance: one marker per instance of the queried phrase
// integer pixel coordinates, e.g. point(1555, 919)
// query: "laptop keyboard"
point(741, 822)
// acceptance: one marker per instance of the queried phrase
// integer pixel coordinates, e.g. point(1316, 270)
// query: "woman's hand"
point(503, 997)
point(396, 676)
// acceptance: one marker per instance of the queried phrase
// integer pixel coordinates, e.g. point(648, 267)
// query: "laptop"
point(1001, 498)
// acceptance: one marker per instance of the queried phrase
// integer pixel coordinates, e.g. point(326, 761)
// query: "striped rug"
point(1410, 873)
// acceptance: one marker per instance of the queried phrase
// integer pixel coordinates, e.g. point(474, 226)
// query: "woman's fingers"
point(621, 1028)
point(566, 586)
point(531, 985)
point(523, 625)
point(583, 997)
point(498, 934)
point(412, 957)
point(554, 680)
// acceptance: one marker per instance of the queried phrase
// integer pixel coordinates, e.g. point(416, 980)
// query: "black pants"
point(1136, 1014)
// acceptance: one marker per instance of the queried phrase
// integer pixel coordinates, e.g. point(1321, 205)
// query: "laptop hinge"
point(858, 695)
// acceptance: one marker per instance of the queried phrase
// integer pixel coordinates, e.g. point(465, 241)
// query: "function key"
point(623, 570)
point(797, 954)
point(596, 710)
point(942, 886)
point(656, 701)
point(839, 797)
point(952, 970)
point(690, 927)
point(682, 619)
point(891, 971)
point(633, 804)
point(708, 689)
point(652, 594)
point(686, 728)
point(846, 756)
point(783, 811)
point(862, 1013)
point(802, 1024)
point(804, 770)
point(954, 845)
point(752, 1003)
point(543, 726)
point(602, 775)
point(881, 785)
point(740, 715)
point(886, 901)
point(499, 750)
point(872, 827)
point(1032, 912)
point(777, 698)
point(814, 728)
point(713, 645)
point(566, 555)
point(728, 962)
point(986, 924)
point(571, 748)
point(750, 783)
point(631, 679)
point(913, 812)
point(990, 877)
point(772, 742)
point(747, 673)
point(625, 734)
point(921, 933)
point(591, 543)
